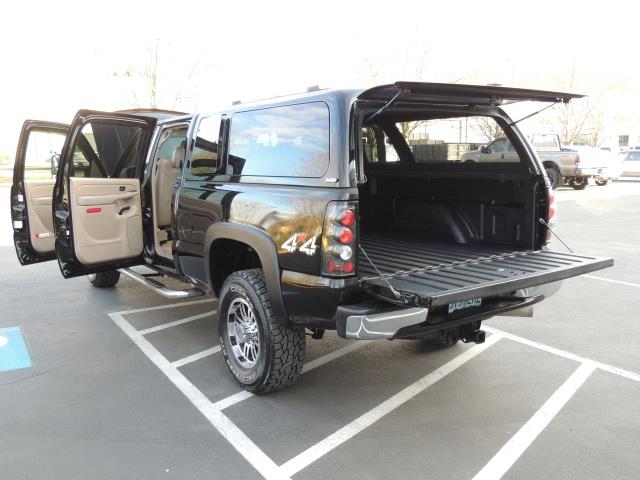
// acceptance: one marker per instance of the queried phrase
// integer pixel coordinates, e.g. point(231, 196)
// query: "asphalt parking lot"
point(125, 384)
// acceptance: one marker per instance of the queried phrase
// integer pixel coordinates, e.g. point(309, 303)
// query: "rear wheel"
point(554, 176)
point(104, 279)
point(262, 354)
point(579, 183)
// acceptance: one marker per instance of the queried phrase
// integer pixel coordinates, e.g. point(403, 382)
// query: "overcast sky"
point(58, 57)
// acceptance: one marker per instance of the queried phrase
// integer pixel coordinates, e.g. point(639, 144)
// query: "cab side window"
point(205, 159)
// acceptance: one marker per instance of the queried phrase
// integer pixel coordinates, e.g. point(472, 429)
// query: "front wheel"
point(262, 354)
point(104, 279)
point(603, 183)
point(579, 183)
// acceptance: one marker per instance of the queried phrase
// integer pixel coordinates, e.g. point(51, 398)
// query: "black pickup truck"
point(303, 213)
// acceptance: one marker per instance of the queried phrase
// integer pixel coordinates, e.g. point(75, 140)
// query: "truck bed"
point(431, 274)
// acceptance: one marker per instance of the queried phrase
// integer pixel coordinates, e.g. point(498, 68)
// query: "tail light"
point(551, 214)
point(577, 159)
point(339, 239)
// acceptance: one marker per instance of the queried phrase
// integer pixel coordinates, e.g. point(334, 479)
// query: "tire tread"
point(105, 279)
point(288, 341)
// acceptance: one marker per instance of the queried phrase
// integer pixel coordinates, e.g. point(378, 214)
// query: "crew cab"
point(302, 213)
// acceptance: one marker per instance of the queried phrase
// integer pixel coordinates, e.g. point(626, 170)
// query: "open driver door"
point(34, 173)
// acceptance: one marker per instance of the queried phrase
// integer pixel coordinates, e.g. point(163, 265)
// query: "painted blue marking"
point(13, 350)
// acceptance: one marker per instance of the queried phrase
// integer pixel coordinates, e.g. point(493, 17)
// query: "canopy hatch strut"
point(533, 114)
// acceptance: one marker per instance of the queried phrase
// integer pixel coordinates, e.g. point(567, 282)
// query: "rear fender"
point(263, 245)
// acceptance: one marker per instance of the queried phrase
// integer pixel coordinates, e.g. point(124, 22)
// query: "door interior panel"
point(39, 197)
point(106, 218)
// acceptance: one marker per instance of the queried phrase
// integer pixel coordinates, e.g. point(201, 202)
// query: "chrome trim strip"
point(383, 325)
point(159, 288)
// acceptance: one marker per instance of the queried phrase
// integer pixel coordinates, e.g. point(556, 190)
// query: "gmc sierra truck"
point(301, 214)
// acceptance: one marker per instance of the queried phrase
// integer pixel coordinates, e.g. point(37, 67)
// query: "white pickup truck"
point(564, 166)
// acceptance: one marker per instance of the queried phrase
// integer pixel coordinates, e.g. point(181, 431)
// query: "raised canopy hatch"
point(459, 94)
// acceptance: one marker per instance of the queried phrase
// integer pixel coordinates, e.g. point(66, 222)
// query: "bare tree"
point(581, 120)
point(156, 84)
point(488, 127)
point(407, 128)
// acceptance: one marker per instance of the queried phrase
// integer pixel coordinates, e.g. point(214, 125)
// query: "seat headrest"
point(178, 156)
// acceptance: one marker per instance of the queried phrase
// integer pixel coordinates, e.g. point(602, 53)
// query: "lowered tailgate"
point(432, 274)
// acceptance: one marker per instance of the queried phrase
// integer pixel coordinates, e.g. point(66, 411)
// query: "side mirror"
point(484, 150)
point(55, 161)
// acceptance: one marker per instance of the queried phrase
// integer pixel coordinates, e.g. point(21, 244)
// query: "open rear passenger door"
point(34, 174)
point(97, 200)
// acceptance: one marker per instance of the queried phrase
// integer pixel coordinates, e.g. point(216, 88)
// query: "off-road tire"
point(282, 348)
point(579, 184)
point(554, 176)
point(104, 279)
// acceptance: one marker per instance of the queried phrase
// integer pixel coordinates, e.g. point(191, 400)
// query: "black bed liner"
point(430, 274)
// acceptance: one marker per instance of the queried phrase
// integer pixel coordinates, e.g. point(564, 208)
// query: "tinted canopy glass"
point(289, 141)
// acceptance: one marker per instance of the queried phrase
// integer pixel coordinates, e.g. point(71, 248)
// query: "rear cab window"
point(284, 141)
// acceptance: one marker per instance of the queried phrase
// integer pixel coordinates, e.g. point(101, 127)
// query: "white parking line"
point(168, 305)
point(619, 282)
point(625, 244)
point(562, 353)
point(515, 447)
point(347, 432)
point(232, 400)
point(341, 352)
point(164, 326)
point(318, 362)
point(195, 357)
point(243, 444)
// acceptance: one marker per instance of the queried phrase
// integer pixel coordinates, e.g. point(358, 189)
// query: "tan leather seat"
point(168, 170)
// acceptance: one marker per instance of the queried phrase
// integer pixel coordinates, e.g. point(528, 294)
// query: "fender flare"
point(264, 246)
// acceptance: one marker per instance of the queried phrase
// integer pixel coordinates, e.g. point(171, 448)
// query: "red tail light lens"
point(339, 241)
point(346, 235)
point(337, 268)
point(348, 217)
point(551, 214)
point(577, 159)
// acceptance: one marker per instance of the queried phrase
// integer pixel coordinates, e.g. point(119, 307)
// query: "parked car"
point(281, 211)
point(563, 165)
point(630, 163)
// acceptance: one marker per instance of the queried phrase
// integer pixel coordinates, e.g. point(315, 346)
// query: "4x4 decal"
point(291, 244)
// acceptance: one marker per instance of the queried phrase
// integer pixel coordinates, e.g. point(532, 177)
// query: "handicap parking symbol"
point(13, 350)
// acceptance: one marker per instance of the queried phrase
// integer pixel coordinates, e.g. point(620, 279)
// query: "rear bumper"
point(591, 172)
point(373, 320)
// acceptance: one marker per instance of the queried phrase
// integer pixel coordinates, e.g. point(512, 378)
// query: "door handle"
point(124, 209)
point(90, 200)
